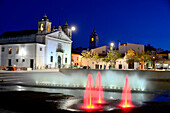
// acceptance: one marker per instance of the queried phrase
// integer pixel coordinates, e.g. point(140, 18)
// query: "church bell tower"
point(67, 30)
point(44, 25)
point(94, 39)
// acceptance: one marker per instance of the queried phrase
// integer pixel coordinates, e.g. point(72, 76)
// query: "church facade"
point(37, 49)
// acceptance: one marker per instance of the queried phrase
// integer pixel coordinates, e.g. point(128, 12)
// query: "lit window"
point(10, 50)
point(2, 49)
point(17, 50)
point(66, 60)
point(41, 28)
point(92, 39)
point(48, 27)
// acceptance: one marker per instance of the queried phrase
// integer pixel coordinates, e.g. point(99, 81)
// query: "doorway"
point(131, 65)
point(120, 66)
point(31, 63)
point(59, 61)
point(9, 62)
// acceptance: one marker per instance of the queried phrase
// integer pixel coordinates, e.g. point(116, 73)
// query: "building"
point(162, 60)
point(150, 49)
point(136, 47)
point(101, 50)
point(76, 60)
point(121, 63)
point(44, 47)
point(94, 40)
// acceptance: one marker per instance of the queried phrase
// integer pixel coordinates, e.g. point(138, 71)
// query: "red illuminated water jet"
point(88, 102)
point(99, 90)
point(126, 95)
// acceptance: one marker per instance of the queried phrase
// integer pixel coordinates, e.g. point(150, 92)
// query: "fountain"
point(126, 95)
point(88, 102)
point(99, 90)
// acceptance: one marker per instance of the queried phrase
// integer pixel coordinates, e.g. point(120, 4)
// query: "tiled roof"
point(18, 33)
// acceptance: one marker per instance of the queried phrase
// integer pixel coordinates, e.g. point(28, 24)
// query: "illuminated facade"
point(76, 60)
point(37, 49)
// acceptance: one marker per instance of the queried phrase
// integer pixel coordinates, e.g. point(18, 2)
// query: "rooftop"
point(18, 33)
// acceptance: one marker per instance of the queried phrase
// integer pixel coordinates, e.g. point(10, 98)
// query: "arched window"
point(42, 27)
point(48, 28)
point(92, 39)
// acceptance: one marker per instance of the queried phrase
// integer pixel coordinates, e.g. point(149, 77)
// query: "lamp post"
point(153, 62)
point(111, 46)
point(73, 28)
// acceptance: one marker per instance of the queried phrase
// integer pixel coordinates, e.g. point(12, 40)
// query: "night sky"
point(134, 21)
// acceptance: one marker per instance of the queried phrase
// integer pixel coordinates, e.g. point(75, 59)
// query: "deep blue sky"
point(133, 21)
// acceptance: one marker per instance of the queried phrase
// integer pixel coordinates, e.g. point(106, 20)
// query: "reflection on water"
point(136, 97)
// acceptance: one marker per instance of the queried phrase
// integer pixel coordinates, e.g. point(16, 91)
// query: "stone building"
point(44, 47)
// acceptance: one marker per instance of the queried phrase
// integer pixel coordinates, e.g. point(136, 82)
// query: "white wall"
point(100, 50)
point(136, 47)
point(40, 56)
point(51, 46)
point(26, 51)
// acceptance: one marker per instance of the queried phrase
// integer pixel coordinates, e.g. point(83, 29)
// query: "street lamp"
point(73, 28)
point(111, 45)
point(154, 63)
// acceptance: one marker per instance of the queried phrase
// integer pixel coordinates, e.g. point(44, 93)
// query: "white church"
point(37, 49)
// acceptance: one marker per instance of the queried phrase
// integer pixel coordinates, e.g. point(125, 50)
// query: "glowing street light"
point(73, 28)
point(111, 45)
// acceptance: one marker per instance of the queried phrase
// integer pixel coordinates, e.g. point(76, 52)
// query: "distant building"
point(78, 50)
point(150, 49)
point(76, 60)
point(136, 47)
point(163, 60)
point(101, 50)
point(94, 40)
point(37, 49)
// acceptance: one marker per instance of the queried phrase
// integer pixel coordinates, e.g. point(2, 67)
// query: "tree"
point(95, 57)
point(147, 57)
point(112, 56)
point(106, 59)
point(140, 57)
point(87, 55)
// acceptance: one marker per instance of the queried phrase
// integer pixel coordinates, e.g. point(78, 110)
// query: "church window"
point(17, 50)
point(40, 48)
point(23, 60)
point(2, 49)
point(66, 60)
point(48, 27)
point(60, 45)
point(10, 51)
point(42, 27)
point(51, 58)
point(92, 39)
